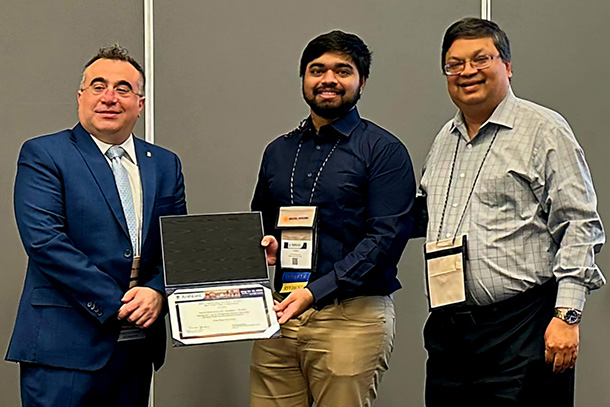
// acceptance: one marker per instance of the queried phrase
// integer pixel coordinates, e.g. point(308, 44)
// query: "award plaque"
point(216, 278)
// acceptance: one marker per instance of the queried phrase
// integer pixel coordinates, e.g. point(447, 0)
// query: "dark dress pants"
point(123, 382)
point(494, 355)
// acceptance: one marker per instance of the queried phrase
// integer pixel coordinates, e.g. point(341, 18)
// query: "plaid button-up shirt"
point(532, 213)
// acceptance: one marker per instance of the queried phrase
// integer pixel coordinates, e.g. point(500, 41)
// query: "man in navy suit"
point(89, 327)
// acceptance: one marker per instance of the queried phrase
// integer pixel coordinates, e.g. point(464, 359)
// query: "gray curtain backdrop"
point(227, 84)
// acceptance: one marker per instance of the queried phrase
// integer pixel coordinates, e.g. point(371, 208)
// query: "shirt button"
point(309, 174)
point(127, 253)
point(318, 148)
point(462, 175)
point(454, 205)
point(469, 146)
point(448, 235)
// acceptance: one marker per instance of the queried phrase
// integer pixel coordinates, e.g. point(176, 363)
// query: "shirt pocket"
point(505, 198)
point(350, 190)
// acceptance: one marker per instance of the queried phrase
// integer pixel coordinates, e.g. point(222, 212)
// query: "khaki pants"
point(335, 356)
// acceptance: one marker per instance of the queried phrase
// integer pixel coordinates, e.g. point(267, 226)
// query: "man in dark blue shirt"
point(338, 321)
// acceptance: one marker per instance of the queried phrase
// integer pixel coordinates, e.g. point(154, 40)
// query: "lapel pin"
point(148, 154)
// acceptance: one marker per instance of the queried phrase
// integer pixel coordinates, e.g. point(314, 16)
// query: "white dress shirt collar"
point(128, 145)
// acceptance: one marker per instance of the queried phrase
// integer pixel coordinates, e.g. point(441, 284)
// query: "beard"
point(330, 109)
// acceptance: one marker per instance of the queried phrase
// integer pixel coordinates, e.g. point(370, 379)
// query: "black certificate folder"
point(213, 248)
point(216, 278)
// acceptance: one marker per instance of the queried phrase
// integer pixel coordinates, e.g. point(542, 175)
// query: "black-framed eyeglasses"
point(99, 88)
point(478, 63)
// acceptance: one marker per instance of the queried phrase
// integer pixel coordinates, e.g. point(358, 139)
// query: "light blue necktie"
point(122, 183)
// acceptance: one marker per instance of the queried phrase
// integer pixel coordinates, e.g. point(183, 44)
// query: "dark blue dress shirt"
point(364, 196)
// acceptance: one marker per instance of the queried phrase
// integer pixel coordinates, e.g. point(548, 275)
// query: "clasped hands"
point(141, 306)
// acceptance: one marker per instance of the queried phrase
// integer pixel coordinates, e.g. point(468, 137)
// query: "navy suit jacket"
point(73, 229)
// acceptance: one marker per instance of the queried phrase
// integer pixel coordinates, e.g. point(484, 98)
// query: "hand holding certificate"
point(297, 301)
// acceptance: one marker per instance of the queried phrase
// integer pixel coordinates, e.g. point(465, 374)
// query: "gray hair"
point(118, 53)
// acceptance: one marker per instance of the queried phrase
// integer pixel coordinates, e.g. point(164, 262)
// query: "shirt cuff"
point(570, 294)
point(323, 288)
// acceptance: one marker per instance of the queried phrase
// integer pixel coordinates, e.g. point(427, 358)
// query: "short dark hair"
point(118, 53)
point(341, 43)
point(471, 28)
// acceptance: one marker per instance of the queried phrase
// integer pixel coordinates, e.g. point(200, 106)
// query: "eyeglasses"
point(478, 63)
point(100, 88)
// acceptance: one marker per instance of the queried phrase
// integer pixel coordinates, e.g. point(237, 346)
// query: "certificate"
point(216, 278)
point(220, 314)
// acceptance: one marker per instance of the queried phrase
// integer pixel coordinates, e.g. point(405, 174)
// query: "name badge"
point(298, 238)
point(296, 251)
point(445, 261)
point(131, 334)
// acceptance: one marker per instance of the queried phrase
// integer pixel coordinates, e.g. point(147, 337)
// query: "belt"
point(478, 314)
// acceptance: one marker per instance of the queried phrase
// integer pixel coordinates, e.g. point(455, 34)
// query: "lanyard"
point(315, 182)
point(474, 183)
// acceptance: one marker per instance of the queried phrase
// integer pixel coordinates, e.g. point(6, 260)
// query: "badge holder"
point(298, 245)
point(216, 278)
point(446, 259)
point(445, 262)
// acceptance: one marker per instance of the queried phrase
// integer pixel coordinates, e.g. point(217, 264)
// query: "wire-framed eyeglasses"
point(457, 67)
point(100, 88)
